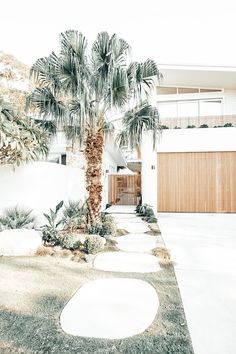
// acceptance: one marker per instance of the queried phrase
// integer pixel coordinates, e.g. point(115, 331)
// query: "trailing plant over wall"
point(21, 140)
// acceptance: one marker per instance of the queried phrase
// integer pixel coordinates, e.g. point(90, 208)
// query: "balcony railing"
point(210, 121)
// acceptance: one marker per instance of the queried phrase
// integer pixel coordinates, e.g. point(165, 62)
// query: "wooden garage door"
point(196, 182)
point(124, 189)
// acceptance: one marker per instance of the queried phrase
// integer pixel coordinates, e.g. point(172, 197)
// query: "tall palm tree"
point(82, 89)
point(21, 140)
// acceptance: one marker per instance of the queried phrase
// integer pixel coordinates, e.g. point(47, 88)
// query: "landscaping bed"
point(34, 291)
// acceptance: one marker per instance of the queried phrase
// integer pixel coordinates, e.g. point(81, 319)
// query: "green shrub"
point(149, 211)
point(203, 126)
point(50, 230)
point(17, 218)
point(95, 228)
point(108, 225)
point(191, 126)
point(94, 243)
point(74, 215)
point(151, 219)
point(70, 241)
point(105, 225)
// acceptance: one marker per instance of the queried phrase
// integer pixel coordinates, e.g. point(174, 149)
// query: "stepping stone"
point(137, 227)
point(122, 209)
point(136, 243)
point(19, 242)
point(124, 216)
point(126, 262)
point(110, 308)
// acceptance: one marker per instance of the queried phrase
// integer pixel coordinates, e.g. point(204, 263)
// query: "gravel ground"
point(34, 290)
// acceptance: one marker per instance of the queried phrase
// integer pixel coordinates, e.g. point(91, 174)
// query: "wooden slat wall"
point(123, 189)
point(196, 182)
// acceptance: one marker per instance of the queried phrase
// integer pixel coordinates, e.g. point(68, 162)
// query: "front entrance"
point(124, 189)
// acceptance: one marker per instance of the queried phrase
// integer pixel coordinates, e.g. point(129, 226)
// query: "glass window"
point(210, 108)
point(167, 110)
point(188, 109)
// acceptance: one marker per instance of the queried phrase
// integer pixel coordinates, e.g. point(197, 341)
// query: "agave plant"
point(21, 140)
point(82, 90)
point(17, 218)
point(74, 215)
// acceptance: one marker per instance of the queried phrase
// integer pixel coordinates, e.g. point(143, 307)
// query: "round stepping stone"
point(126, 262)
point(110, 308)
point(136, 243)
point(133, 227)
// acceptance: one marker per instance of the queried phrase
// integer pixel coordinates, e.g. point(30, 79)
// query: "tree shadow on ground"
point(39, 331)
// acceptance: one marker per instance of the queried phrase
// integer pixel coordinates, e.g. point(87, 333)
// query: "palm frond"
point(47, 104)
point(142, 78)
point(136, 122)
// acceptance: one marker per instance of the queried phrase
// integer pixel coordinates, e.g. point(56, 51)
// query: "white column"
point(149, 172)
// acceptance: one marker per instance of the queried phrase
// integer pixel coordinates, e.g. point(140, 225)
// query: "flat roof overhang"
point(198, 76)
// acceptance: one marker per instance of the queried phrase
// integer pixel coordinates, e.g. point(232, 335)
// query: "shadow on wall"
point(40, 186)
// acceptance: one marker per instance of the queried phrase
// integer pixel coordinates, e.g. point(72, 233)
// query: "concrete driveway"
point(204, 247)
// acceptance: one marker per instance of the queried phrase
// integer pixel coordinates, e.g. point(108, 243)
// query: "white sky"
point(170, 32)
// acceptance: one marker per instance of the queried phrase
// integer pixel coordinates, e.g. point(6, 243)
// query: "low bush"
point(104, 226)
point(17, 218)
point(151, 219)
point(70, 241)
point(149, 211)
point(94, 228)
point(108, 225)
point(94, 243)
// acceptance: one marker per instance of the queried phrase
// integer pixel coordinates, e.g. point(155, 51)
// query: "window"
point(167, 109)
point(166, 90)
point(210, 108)
point(188, 109)
point(187, 90)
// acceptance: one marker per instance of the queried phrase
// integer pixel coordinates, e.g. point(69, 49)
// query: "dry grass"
point(44, 251)
point(111, 246)
point(164, 254)
point(154, 228)
point(79, 256)
point(121, 232)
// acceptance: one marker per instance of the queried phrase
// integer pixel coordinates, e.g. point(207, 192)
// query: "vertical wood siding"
point(196, 182)
point(123, 189)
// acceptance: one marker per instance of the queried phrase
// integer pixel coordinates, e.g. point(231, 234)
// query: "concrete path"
point(117, 307)
point(204, 247)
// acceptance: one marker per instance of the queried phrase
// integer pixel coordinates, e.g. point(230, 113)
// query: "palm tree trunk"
point(93, 155)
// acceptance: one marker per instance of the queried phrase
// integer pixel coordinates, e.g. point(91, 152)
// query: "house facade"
point(194, 166)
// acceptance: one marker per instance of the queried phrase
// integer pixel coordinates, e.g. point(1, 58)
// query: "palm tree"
point(82, 90)
point(21, 140)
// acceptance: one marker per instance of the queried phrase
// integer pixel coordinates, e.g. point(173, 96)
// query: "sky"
point(168, 31)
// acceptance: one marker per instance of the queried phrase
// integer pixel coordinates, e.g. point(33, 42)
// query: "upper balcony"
point(199, 121)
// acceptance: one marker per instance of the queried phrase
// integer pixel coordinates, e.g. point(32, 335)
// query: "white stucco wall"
point(40, 186)
point(197, 139)
point(110, 167)
point(149, 173)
